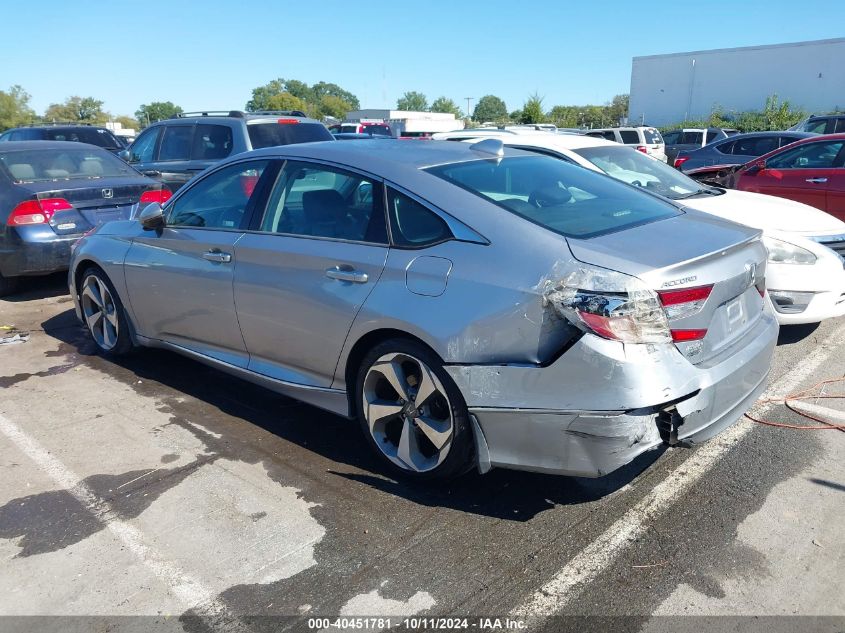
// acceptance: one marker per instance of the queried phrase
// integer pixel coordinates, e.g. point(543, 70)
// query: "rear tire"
point(103, 313)
point(411, 412)
point(8, 285)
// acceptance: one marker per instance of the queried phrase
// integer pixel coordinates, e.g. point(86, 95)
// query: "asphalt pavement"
point(154, 493)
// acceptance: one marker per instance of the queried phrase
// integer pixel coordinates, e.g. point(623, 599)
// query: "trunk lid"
point(94, 202)
point(690, 251)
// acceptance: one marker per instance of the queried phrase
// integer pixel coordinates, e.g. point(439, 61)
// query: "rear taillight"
point(680, 160)
point(642, 148)
point(611, 305)
point(156, 195)
point(37, 211)
point(287, 121)
point(679, 304)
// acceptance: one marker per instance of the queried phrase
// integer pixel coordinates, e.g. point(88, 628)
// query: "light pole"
point(469, 109)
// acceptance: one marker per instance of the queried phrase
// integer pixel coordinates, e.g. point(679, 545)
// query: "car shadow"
point(42, 287)
point(502, 494)
point(791, 334)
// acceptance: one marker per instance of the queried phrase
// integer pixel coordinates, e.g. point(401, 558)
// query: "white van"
point(645, 139)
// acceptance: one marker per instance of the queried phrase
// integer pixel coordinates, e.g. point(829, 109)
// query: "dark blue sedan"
point(52, 192)
point(736, 150)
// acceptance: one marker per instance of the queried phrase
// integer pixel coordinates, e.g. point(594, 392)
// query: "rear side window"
point(563, 198)
point(212, 142)
point(652, 137)
point(712, 136)
point(725, 148)
point(26, 135)
point(840, 125)
point(412, 224)
point(756, 145)
point(691, 138)
point(630, 137)
point(818, 126)
point(176, 142)
point(272, 134)
point(671, 138)
point(219, 200)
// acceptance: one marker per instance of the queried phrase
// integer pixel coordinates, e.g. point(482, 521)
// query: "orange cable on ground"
point(804, 395)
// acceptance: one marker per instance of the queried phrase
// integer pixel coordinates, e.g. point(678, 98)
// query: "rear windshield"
point(100, 138)
point(35, 165)
point(564, 198)
point(271, 134)
point(378, 130)
point(652, 137)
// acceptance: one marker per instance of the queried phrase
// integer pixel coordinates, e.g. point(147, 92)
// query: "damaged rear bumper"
point(595, 409)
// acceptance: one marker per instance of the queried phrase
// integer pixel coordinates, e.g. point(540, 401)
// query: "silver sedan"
point(470, 305)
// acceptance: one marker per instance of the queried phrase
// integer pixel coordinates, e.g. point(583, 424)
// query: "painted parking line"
point(600, 554)
point(188, 589)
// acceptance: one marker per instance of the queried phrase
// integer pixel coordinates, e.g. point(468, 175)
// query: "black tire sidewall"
point(458, 461)
point(8, 285)
point(124, 341)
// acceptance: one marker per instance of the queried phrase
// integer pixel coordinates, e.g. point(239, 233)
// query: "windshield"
point(559, 196)
point(271, 134)
point(34, 165)
point(635, 168)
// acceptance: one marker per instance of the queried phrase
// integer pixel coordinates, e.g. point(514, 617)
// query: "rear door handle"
point(347, 273)
point(217, 256)
point(816, 180)
point(152, 173)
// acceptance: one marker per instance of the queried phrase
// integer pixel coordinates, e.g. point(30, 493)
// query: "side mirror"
point(152, 217)
point(124, 155)
point(756, 167)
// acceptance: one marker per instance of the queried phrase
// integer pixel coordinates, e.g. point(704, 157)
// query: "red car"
point(811, 171)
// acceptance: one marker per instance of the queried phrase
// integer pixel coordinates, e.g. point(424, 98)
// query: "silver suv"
point(176, 149)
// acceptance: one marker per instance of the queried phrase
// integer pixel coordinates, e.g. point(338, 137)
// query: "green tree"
point(286, 101)
point(565, 116)
point(617, 109)
point(333, 106)
point(14, 108)
point(262, 94)
point(127, 122)
point(322, 89)
point(82, 109)
point(413, 101)
point(490, 108)
point(532, 111)
point(156, 111)
point(447, 106)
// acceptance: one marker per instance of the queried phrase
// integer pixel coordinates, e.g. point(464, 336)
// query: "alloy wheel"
point(100, 312)
point(408, 412)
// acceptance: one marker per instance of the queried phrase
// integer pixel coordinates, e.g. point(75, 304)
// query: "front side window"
point(176, 142)
point(412, 224)
point(563, 198)
point(809, 156)
point(818, 126)
point(321, 201)
point(671, 138)
point(219, 200)
point(840, 126)
point(142, 150)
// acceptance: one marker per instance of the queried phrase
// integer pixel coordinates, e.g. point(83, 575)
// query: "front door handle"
point(217, 256)
point(347, 273)
point(819, 180)
point(152, 173)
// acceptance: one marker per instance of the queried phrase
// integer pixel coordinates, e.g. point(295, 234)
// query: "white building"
point(670, 88)
point(408, 122)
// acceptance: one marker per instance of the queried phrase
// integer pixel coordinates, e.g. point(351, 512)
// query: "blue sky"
point(209, 55)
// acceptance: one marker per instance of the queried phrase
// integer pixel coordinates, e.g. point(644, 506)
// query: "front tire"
point(412, 413)
point(103, 313)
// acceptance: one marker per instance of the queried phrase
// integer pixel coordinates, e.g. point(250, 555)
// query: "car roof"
point(46, 146)
point(237, 115)
point(797, 135)
point(380, 156)
point(551, 140)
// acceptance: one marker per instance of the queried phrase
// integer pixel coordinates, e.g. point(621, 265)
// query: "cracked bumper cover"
point(594, 409)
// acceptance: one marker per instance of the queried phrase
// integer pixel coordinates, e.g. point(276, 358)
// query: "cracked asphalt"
point(155, 486)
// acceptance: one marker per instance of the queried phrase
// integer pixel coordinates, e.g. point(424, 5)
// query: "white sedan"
point(805, 277)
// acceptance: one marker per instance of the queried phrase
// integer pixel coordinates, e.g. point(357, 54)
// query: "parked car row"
point(465, 301)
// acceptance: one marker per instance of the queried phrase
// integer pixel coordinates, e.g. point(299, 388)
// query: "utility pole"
point(469, 108)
